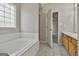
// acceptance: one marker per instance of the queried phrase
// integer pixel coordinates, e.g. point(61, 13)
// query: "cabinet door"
point(74, 41)
point(72, 49)
point(65, 42)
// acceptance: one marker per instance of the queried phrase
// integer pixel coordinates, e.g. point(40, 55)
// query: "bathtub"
point(23, 44)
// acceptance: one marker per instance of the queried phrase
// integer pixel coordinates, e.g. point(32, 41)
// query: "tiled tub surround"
point(17, 44)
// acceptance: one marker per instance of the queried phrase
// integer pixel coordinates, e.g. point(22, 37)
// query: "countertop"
point(73, 35)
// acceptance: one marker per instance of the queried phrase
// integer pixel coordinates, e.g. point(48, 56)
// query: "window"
point(7, 15)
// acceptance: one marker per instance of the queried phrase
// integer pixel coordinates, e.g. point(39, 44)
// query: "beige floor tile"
point(57, 50)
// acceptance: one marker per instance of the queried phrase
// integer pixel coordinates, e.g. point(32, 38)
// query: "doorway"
point(55, 27)
point(52, 27)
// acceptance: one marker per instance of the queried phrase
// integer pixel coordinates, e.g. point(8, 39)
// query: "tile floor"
point(57, 50)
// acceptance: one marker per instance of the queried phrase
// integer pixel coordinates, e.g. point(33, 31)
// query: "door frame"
point(53, 10)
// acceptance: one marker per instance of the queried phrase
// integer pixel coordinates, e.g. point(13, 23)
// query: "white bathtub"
point(21, 45)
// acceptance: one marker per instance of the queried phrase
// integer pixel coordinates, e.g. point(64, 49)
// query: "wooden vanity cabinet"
point(70, 44)
point(65, 42)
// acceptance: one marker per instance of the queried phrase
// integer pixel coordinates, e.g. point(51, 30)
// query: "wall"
point(78, 17)
point(29, 17)
point(42, 27)
point(75, 16)
point(42, 21)
point(17, 29)
point(65, 16)
point(18, 26)
point(78, 25)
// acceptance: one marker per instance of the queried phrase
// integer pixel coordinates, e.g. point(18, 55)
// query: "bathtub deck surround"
point(17, 44)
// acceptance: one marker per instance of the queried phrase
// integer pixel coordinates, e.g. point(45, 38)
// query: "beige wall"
point(42, 27)
point(42, 21)
point(78, 25)
point(78, 18)
point(29, 17)
point(18, 23)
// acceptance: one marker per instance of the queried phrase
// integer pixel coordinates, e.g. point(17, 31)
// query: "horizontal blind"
point(7, 15)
